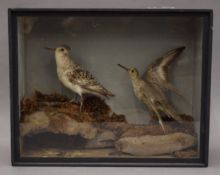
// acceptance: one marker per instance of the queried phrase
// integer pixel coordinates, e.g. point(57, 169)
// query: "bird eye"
point(132, 71)
point(62, 49)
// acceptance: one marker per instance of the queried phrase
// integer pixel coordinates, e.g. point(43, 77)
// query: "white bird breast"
point(65, 80)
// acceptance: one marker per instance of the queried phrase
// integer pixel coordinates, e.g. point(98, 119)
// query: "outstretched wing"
point(157, 72)
point(84, 79)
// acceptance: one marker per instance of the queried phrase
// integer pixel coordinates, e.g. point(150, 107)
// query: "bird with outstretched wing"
point(151, 89)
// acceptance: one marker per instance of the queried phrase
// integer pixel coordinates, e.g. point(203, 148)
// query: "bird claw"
point(161, 124)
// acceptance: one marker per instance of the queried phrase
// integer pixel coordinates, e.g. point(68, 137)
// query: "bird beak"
point(123, 67)
point(50, 49)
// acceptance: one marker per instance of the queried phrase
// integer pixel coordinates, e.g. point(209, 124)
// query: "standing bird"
point(151, 90)
point(74, 77)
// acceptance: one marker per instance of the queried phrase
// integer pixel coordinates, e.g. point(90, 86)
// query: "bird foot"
point(161, 124)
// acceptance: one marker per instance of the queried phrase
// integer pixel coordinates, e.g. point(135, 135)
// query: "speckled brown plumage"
point(74, 77)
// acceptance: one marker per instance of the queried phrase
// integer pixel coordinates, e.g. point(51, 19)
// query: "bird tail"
point(170, 112)
point(108, 94)
point(100, 92)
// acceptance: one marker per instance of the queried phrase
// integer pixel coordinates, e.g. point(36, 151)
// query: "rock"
point(123, 129)
point(149, 145)
point(152, 129)
point(105, 139)
point(118, 128)
point(36, 122)
point(61, 123)
point(98, 127)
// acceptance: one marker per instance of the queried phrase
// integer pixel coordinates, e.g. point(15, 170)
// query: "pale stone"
point(155, 145)
point(104, 139)
point(58, 123)
point(36, 122)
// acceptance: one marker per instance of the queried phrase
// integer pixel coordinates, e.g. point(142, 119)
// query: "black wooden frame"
point(150, 162)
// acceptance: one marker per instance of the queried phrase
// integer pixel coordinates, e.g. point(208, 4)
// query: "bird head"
point(133, 72)
point(60, 51)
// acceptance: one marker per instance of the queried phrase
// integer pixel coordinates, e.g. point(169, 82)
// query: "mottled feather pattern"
point(84, 79)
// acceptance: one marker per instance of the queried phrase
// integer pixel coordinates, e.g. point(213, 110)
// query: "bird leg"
point(159, 117)
point(81, 103)
point(170, 112)
point(74, 99)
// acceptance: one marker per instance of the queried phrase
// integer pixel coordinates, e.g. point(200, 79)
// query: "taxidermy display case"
point(110, 87)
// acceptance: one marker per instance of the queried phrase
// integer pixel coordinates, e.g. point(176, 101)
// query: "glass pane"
point(63, 104)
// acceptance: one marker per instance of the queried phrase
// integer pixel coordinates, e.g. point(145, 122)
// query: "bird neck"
point(135, 79)
point(63, 61)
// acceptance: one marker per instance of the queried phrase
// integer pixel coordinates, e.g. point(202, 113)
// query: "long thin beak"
point(50, 49)
point(123, 67)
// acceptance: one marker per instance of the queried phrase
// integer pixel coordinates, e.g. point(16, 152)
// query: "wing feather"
point(157, 72)
point(84, 79)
